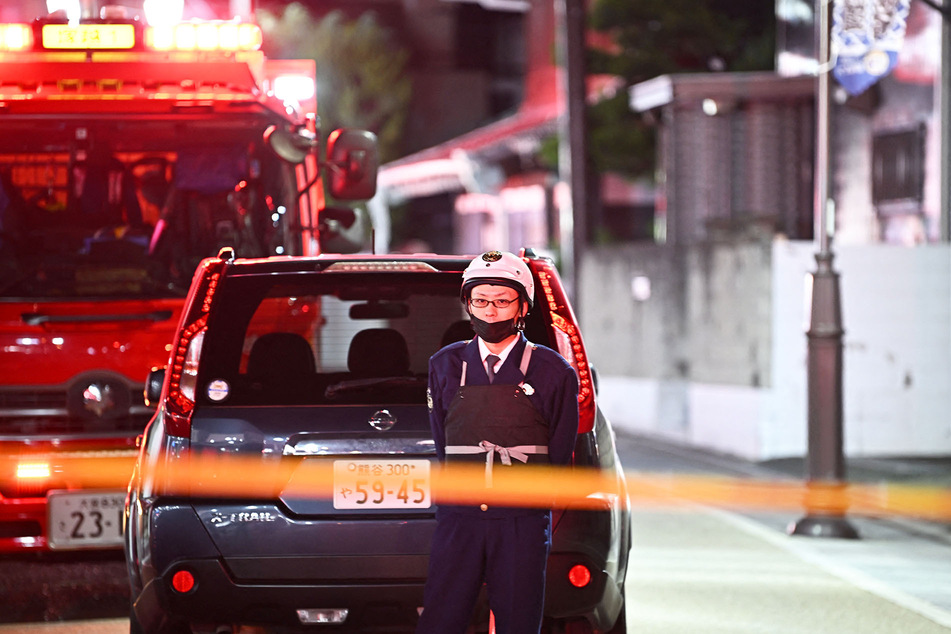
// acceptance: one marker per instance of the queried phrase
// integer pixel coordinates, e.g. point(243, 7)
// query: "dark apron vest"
point(485, 420)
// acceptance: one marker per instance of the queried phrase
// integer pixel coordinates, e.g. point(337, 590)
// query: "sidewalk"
point(904, 560)
point(899, 469)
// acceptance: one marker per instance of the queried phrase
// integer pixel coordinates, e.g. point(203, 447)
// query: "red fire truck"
point(130, 148)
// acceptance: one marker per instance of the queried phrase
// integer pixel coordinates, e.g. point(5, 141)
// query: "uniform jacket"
point(554, 382)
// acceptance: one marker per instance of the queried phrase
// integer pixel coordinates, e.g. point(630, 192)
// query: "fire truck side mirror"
point(292, 147)
point(354, 160)
point(153, 386)
point(343, 230)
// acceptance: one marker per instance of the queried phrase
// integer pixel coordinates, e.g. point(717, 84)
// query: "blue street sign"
point(867, 36)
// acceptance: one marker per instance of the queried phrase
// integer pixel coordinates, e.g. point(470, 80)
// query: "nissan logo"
point(98, 399)
point(382, 420)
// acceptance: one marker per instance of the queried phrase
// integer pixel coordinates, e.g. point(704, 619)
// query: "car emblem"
point(382, 420)
point(492, 256)
point(98, 398)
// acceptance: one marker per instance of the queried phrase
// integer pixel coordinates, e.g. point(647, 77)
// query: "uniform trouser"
point(509, 554)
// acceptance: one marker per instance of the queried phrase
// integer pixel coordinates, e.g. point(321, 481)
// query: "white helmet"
point(502, 269)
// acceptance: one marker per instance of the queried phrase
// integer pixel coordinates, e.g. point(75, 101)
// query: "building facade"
point(713, 326)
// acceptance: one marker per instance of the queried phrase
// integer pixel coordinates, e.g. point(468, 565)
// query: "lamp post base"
point(824, 526)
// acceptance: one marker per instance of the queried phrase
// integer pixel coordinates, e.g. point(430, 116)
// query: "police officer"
point(498, 399)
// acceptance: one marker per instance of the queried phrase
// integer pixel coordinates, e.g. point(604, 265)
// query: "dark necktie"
point(490, 361)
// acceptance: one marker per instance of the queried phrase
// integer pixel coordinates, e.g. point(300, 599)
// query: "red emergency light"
point(204, 36)
point(16, 37)
point(217, 36)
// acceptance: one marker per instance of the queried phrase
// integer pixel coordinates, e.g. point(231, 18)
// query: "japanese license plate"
point(84, 519)
point(381, 484)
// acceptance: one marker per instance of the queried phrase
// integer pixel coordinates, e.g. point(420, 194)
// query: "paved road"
point(697, 569)
point(702, 570)
point(66, 587)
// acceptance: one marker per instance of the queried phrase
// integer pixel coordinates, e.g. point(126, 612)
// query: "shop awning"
point(450, 166)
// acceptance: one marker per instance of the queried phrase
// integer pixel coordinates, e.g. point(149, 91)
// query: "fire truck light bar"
point(204, 36)
point(214, 36)
point(16, 37)
point(88, 36)
point(294, 88)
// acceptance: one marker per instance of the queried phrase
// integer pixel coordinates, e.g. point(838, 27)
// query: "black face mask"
point(495, 331)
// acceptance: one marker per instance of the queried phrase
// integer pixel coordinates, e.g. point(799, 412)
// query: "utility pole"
point(945, 118)
point(572, 138)
point(825, 462)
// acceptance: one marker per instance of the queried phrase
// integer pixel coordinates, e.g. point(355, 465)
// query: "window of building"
point(898, 169)
point(493, 42)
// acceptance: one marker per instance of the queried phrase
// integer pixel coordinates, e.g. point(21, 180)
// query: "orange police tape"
point(230, 476)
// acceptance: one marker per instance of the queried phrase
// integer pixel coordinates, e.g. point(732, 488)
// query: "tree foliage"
point(361, 69)
point(658, 37)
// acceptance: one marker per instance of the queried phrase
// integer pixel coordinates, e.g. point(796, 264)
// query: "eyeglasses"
point(478, 302)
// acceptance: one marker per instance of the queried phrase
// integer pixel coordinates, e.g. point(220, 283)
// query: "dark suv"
point(297, 363)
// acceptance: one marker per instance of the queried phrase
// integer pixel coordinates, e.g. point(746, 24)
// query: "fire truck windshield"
point(101, 219)
point(132, 146)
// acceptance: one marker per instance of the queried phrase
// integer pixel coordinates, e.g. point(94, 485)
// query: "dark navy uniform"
point(531, 418)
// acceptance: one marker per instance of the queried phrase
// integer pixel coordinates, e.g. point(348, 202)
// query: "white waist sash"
point(519, 452)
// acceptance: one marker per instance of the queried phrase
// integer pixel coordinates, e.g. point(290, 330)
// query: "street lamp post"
point(572, 141)
point(825, 462)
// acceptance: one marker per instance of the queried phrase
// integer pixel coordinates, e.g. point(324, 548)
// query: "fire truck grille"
point(27, 400)
point(44, 412)
point(52, 425)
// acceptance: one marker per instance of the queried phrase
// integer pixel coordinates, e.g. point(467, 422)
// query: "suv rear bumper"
point(393, 595)
point(599, 602)
point(263, 585)
point(218, 598)
point(374, 567)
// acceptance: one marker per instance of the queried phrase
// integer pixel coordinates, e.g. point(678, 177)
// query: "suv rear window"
point(330, 338)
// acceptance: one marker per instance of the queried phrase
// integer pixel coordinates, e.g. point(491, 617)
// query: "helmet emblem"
point(492, 256)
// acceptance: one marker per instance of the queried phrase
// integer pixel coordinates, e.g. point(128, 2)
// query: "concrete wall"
point(716, 355)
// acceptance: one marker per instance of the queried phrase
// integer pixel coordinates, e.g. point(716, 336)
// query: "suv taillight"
point(183, 380)
point(183, 364)
point(567, 339)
